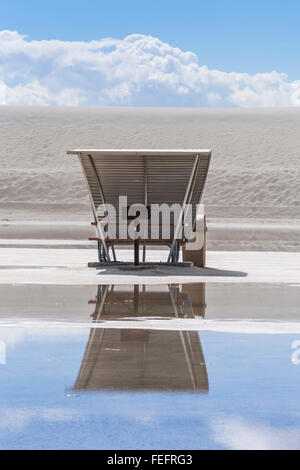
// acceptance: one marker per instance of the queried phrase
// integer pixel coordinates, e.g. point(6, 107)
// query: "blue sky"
point(226, 35)
point(231, 35)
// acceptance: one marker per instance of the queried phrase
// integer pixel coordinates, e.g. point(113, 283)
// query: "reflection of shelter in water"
point(133, 359)
point(174, 300)
point(137, 359)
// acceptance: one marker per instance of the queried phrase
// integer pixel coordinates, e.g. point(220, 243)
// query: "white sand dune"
point(254, 171)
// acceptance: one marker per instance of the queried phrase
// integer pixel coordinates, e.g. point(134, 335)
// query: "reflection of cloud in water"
point(16, 419)
point(238, 434)
point(14, 334)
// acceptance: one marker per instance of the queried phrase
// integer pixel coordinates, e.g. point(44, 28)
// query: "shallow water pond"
point(109, 388)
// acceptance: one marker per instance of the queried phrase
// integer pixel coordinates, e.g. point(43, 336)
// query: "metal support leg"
point(136, 292)
point(100, 257)
point(102, 253)
point(136, 252)
point(113, 252)
point(174, 252)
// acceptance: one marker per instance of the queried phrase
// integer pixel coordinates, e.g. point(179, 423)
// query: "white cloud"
point(19, 332)
point(238, 434)
point(137, 70)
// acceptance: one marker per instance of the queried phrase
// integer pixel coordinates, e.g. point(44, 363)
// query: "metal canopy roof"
point(140, 152)
point(145, 176)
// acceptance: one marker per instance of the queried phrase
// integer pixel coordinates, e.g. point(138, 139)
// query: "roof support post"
point(99, 229)
point(145, 161)
point(186, 199)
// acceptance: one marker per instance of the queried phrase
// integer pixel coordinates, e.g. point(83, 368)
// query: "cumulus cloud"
point(137, 70)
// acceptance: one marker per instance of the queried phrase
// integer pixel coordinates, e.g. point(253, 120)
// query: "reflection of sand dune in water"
point(143, 360)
